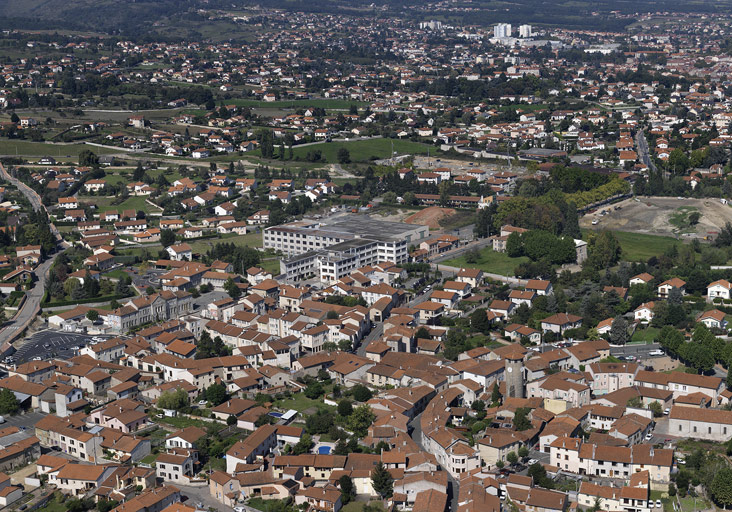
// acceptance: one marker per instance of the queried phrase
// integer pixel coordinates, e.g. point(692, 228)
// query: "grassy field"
point(53, 505)
point(489, 261)
point(357, 506)
point(645, 335)
point(360, 150)
point(300, 402)
point(640, 247)
point(27, 148)
point(136, 203)
point(250, 240)
point(322, 103)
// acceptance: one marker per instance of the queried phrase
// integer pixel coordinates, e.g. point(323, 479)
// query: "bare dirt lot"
point(430, 216)
point(662, 216)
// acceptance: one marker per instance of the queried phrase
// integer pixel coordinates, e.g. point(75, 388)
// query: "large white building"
point(332, 251)
point(525, 31)
point(502, 30)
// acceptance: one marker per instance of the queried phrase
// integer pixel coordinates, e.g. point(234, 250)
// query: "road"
point(642, 145)
point(23, 421)
point(32, 303)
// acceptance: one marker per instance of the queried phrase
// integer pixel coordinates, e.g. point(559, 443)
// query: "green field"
point(489, 261)
point(360, 150)
point(250, 240)
point(136, 203)
point(639, 246)
point(322, 103)
point(645, 335)
point(26, 148)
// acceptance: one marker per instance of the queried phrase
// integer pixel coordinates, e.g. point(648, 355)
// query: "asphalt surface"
point(48, 343)
point(207, 298)
point(642, 144)
point(23, 421)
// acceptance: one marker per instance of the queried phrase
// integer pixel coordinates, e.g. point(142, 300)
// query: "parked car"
point(532, 462)
point(655, 352)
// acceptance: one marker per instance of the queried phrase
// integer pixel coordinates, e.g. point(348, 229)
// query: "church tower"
point(514, 374)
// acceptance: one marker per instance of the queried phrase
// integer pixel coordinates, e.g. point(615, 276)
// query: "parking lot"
point(46, 344)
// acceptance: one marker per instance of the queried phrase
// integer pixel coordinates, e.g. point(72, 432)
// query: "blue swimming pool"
point(324, 450)
point(276, 414)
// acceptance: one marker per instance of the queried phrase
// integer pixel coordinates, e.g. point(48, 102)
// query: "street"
point(32, 303)
point(642, 144)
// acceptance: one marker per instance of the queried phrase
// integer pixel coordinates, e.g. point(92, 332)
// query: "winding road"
point(32, 303)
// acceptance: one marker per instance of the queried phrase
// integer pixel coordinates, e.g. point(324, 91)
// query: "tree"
point(139, 172)
point(512, 458)
point(216, 394)
point(496, 396)
point(92, 315)
point(314, 390)
point(88, 158)
point(361, 393)
point(149, 290)
point(619, 331)
point(694, 218)
point(479, 321)
point(444, 189)
point(231, 420)
point(360, 420)
point(344, 156)
point(656, 408)
point(348, 490)
point(538, 473)
point(345, 408)
point(167, 237)
point(523, 452)
point(382, 481)
point(721, 487)
point(173, 400)
point(207, 347)
point(319, 423)
point(521, 419)
point(232, 289)
point(303, 445)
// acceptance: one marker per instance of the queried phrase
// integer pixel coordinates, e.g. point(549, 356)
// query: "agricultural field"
point(360, 150)
point(27, 148)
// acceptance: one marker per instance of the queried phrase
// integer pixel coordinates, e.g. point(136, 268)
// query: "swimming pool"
point(276, 414)
point(324, 450)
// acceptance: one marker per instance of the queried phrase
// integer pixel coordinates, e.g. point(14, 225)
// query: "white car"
point(655, 352)
point(532, 462)
point(38, 358)
point(239, 509)
point(650, 504)
point(658, 504)
point(649, 436)
point(202, 402)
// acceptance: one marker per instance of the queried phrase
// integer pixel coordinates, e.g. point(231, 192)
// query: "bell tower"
point(514, 375)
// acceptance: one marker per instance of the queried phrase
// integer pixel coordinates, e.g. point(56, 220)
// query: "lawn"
point(489, 261)
point(136, 203)
point(250, 240)
point(692, 504)
point(27, 148)
point(360, 150)
point(271, 265)
point(646, 335)
point(640, 247)
point(53, 505)
point(149, 459)
point(300, 402)
point(183, 422)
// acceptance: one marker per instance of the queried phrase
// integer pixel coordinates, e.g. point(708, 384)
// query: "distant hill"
point(139, 17)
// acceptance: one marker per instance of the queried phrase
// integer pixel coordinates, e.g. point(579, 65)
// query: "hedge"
point(108, 298)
